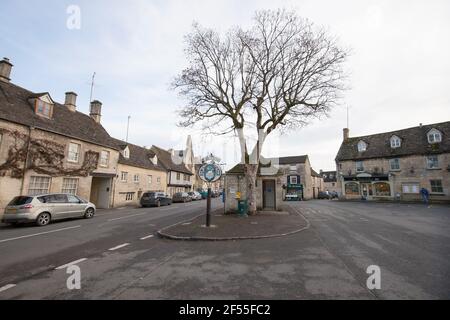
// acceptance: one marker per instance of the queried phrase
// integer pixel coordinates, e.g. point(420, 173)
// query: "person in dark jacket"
point(425, 195)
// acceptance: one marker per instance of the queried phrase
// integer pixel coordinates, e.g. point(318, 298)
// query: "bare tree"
point(279, 74)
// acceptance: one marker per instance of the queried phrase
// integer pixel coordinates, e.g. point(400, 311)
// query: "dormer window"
point(396, 142)
point(154, 160)
point(126, 153)
point(42, 104)
point(362, 146)
point(434, 136)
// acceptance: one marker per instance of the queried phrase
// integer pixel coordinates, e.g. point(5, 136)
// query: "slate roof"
point(293, 160)
point(15, 107)
point(239, 170)
point(139, 156)
point(329, 176)
point(414, 141)
point(315, 174)
point(165, 157)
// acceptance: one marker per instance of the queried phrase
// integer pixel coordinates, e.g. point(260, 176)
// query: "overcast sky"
point(400, 65)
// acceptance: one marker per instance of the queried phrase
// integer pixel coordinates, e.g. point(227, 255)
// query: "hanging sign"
point(210, 172)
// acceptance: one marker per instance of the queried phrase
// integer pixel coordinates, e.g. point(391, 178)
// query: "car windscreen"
point(20, 201)
point(149, 195)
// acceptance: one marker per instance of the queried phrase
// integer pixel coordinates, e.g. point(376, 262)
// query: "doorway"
point(269, 201)
point(101, 192)
point(366, 190)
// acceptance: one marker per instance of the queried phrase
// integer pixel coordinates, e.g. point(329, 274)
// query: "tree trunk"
point(251, 171)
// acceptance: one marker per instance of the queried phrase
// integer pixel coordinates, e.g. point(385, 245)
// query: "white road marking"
point(70, 263)
point(186, 224)
point(38, 234)
point(130, 216)
point(8, 286)
point(119, 247)
point(147, 237)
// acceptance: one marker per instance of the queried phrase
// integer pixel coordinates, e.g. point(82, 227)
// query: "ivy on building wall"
point(44, 157)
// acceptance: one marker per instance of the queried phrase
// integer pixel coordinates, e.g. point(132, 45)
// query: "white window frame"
point(126, 153)
point(71, 153)
point(70, 186)
point(428, 161)
point(136, 178)
point(292, 178)
point(39, 185)
point(104, 161)
point(396, 142)
point(410, 188)
point(441, 186)
point(150, 179)
point(129, 196)
point(362, 146)
point(434, 136)
point(391, 161)
point(124, 176)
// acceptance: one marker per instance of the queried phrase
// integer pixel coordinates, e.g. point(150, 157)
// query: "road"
point(120, 260)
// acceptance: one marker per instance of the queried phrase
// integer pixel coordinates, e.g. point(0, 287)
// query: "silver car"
point(44, 208)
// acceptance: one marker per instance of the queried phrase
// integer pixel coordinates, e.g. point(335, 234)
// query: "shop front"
point(293, 189)
point(367, 187)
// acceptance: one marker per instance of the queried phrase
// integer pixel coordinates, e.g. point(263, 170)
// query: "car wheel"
point(43, 219)
point(89, 213)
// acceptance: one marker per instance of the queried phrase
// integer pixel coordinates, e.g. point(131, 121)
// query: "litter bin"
point(243, 207)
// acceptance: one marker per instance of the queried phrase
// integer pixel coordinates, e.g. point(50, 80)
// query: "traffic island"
point(265, 224)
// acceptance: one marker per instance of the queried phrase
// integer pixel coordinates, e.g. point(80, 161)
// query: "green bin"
point(243, 207)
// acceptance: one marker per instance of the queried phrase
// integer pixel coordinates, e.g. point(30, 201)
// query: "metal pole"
point(128, 127)
point(208, 207)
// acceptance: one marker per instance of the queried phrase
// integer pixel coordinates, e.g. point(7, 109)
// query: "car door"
point(75, 206)
point(58, 206)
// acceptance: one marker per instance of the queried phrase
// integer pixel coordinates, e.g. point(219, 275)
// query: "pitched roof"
point(329, 176)
point(315, 174)
point(165, 157)
point(15, 107)
point(414, 141)
point(139, 156)
point(239, 170)
point(293, 159)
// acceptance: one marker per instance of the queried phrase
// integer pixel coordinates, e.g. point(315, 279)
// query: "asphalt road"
point(120, 260)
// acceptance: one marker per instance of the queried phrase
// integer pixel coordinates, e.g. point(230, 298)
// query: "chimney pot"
point(71, 101)
point(96, 110)
point(346, 134)
point(5, 70)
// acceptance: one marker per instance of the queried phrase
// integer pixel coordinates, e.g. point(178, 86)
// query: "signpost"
point(209, 173)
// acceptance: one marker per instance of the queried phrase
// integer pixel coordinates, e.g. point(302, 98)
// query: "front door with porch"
point(366, 190)
point(269, 195)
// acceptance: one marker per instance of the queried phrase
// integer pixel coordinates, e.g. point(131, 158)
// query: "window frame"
point(378, 183)
point(64, 190)
point(362, 166)
point(362, 146)
point(69, 152)
point(122, 175)
point(102, 158)
point(291, 178)
point(129, 196)
point(149, 179)
point(428, 162)
point(434, 133)
point(44, 104)
point(353, 193)
point(440, 186)
point(390, 164)
point(410, 186)
point(136, 178)
point(396, 142)
point(43, 191)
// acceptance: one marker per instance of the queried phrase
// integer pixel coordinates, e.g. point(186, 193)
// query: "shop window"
point(382, 189)
point(352, 188)
point(436, 186)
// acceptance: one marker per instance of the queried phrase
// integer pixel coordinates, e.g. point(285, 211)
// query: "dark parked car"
point(155, 199)
point(324, 195)
point(181, 197)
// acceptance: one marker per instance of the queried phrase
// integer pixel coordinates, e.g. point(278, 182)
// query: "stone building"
point(396, 165)
point(50, 147)
point(317, 183)
point(180, 177)
point(330, 182)
point(138, 170)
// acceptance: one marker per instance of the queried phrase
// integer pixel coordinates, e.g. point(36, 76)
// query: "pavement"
point(228, 227)
point(121, 258)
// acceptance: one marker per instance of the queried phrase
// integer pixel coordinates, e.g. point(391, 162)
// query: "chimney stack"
point(96, 110)
point(5, 70)
point(71, 101)
point(346, 134)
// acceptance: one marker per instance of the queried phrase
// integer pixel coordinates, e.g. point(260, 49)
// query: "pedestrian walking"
point(425, 195)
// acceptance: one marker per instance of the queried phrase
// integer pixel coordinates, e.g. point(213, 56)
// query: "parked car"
point(324, 195)
point(204, 194)
point(181, 197)
point(155, 199)
point(43, 209)
point(334, 195)
point(195, 195)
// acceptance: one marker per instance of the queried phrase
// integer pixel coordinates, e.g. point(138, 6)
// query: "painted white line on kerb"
point(119, 247)
point(147, 237)
point(38, 234)
point(70, 264)
point(8, 286)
